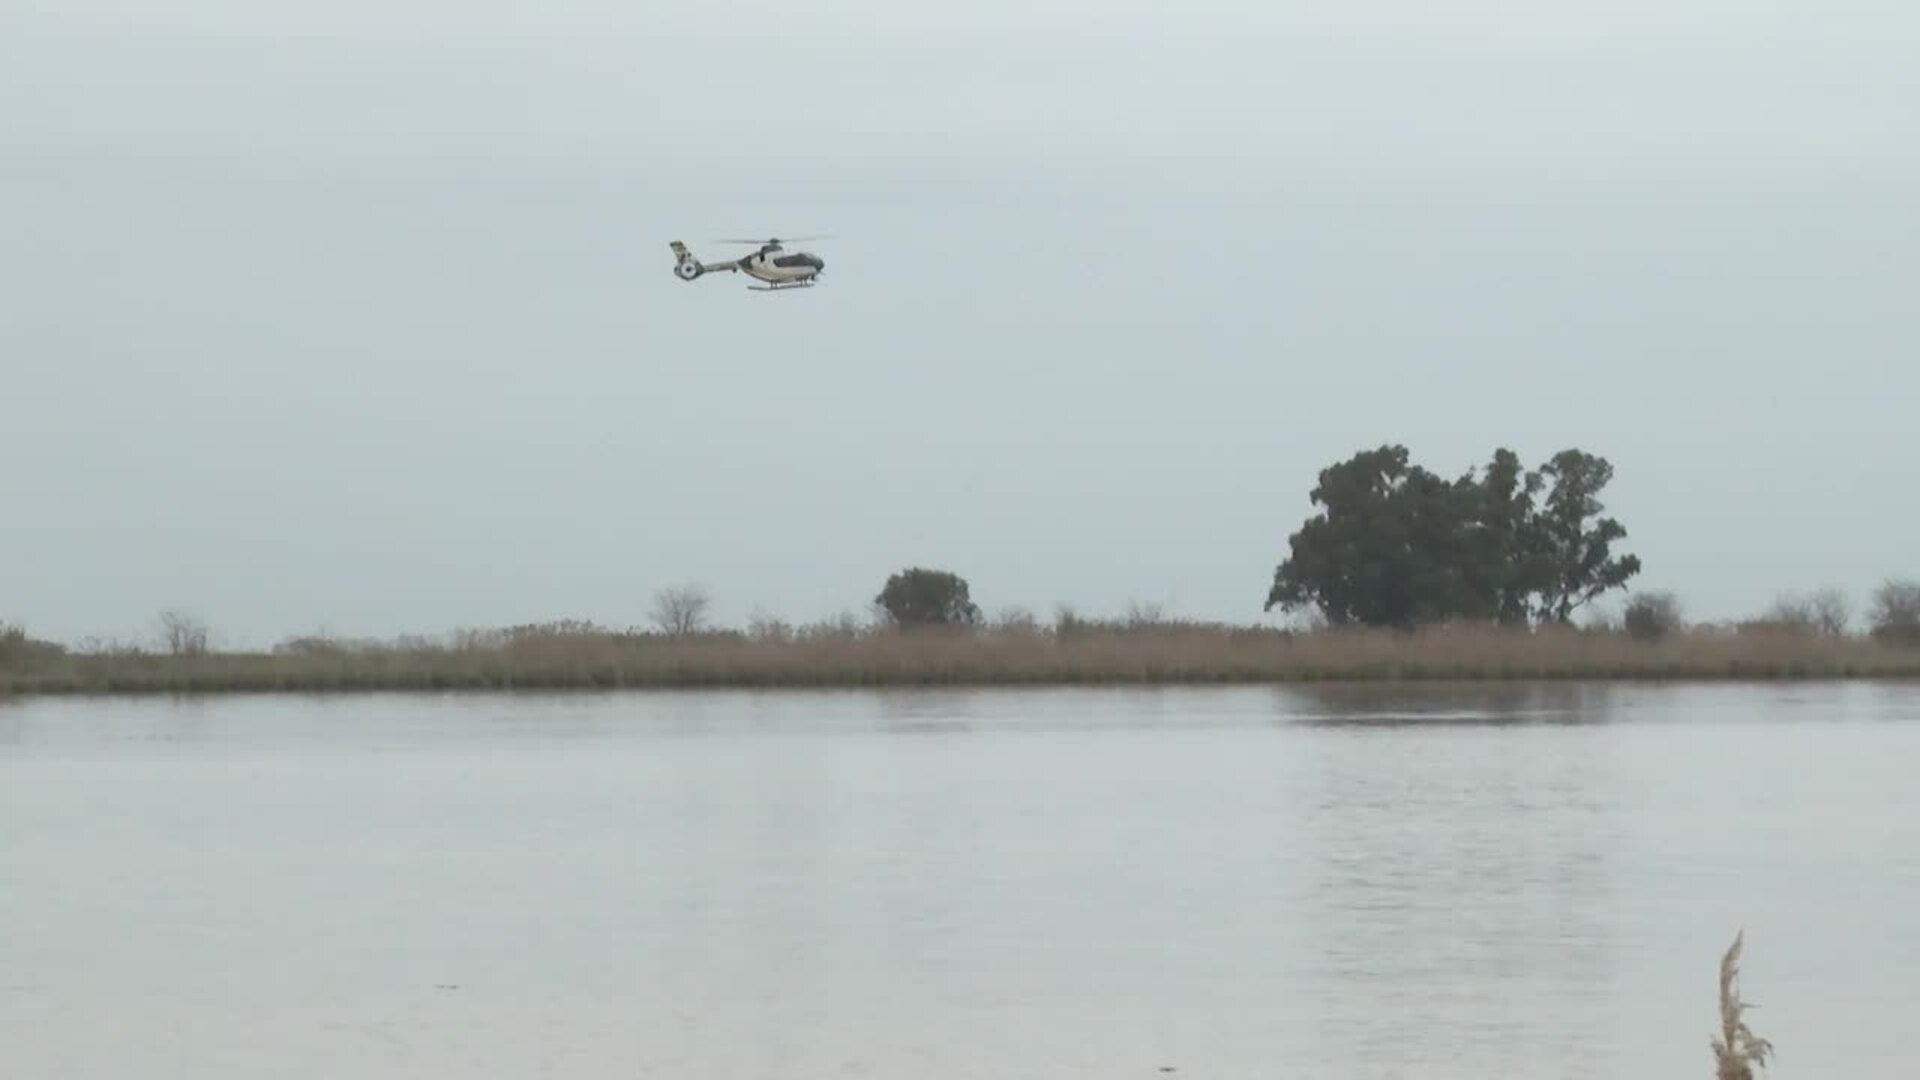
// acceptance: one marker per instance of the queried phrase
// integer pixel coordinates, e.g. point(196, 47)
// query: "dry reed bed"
point(840, 658)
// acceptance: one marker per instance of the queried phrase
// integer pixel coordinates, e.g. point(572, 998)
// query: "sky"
point(359, 318)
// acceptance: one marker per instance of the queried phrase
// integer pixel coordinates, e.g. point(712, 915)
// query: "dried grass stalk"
point(1737, 1051)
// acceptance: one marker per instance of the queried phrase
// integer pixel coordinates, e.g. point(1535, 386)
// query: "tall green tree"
point(1508, 559)
point(1395, 544)
point(918, 596)
point(1390, 547)
point(1577, 550)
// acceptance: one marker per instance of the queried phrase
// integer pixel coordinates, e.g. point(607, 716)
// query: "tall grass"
point(1737, 1051)
point(1078, 650)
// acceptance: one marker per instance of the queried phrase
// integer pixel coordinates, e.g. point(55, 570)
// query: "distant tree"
point(20, 649)
point(1397, 545)
point(181, 634)
point(1068, 621)
point(1895, 615)
point(681, 609)
point(921, 597)
point(1652, 616)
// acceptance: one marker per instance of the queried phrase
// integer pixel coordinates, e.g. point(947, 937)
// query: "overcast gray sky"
point(360, 316)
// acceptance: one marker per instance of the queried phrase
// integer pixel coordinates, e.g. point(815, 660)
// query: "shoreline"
point(539, 659)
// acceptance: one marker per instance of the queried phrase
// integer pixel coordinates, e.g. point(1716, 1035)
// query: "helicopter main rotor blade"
point(773, 240)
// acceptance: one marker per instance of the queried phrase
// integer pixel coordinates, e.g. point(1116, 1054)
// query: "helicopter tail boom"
point(687, 267)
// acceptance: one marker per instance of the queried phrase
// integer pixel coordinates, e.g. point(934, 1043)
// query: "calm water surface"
point(1504, 882)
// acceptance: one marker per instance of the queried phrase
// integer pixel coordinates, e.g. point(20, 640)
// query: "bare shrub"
point(1895, 614)
point(681, 610)
point(1652, 616)
point(181, 634)
point(329, 645)
point(845, 625)
point(1016, 619)
point(1067, 621)
point(762, 626)
point(1142, 615)
point(94, 645)
point(308, 645)
point(541, 634)
point(476, 639)
point(1831, 612)
point(1823, 611)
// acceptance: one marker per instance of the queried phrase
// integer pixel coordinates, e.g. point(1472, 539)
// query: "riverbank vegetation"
point(1015, 650)
point(1401, 573)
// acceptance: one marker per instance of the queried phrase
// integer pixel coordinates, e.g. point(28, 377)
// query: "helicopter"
point(779, 271)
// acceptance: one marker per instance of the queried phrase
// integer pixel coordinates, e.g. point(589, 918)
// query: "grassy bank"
point(564, 657)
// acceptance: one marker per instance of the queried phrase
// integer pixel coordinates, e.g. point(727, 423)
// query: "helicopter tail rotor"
point(685, 266)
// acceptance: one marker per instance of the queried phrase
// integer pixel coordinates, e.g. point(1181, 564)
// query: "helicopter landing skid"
point(783, 287)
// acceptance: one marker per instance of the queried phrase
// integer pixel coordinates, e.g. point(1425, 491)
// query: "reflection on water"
point(1450, 881)
point(1390, 704)
point(1465, 882)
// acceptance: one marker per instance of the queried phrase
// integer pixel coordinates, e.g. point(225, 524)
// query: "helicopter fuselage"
point(772, 264)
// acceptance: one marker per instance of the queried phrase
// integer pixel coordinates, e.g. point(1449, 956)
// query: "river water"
point(1512, 881)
